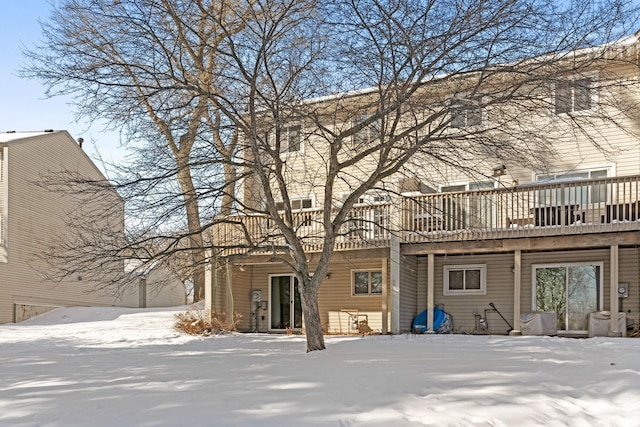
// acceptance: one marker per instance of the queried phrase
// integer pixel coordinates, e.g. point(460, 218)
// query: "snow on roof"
point(12, 135)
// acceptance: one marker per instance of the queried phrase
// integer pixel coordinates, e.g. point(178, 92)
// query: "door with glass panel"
point(572, 291)
point(285, 309)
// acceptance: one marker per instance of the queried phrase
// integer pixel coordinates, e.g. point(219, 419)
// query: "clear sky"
point(23, 105)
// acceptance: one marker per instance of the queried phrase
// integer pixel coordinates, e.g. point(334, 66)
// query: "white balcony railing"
point(599, 205)
point(587, 206)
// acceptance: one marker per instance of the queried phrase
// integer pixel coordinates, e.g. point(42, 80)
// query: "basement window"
point(465, 279)
point(367, 282)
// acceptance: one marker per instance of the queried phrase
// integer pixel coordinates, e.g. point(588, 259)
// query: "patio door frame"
point(295, 314)
point(567, 265)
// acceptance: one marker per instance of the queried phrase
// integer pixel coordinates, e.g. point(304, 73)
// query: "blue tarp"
point(441, 322)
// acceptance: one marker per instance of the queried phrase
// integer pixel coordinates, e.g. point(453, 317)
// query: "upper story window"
point(453, 188)
point(291, 139)
point(474, 185)
point(574, 193)
point(296, 204)
point(367, 134)
point(466, 113)
point(373, 197)
point(573, 95)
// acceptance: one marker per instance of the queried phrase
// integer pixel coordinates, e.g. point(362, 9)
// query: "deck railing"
point(561, 208)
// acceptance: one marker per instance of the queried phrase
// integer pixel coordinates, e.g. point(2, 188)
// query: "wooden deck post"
point(394, 269)
point(613, 293)
point(517, 276)
point(385, 296)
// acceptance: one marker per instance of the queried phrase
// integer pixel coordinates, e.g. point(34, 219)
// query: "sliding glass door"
point(285, 309)
point(571, 290)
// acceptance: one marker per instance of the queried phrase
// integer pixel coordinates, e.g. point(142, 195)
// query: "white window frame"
point(461, 105)
point(285, 140)
point(369, 281)
point(599, 264)
point(293, 200)
point(368, 133)
point(464, 267)
point(369, 198)
point(556, 176)
point(467, 186)
point(593, 98)
point(601, 278)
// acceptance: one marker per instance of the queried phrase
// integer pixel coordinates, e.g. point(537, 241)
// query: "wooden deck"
point(541, 210)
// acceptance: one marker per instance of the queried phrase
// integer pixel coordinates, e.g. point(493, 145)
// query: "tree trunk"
point(196, 243)
point(311, 314)
point(228, 197)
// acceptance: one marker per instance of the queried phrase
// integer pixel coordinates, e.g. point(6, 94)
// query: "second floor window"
point(296, 204)
point(465, 114)
point(367, 134)
point(574, 192)
point(572, 96)
point(291, 139)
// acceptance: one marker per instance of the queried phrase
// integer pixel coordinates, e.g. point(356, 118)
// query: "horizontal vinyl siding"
point(35, 216)
point(499, 292)
point(629, 272)
point(408, 291)
point(421, 283)
point(164, 289)
point(334, 296)
point(242, 303)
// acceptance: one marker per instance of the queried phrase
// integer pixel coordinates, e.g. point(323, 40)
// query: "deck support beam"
point(517, 285)
point(385, 296)
point(613, 293)
point(394, 269)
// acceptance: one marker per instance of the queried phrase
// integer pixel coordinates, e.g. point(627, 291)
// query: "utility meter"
point(623, 290)
point(256, 296)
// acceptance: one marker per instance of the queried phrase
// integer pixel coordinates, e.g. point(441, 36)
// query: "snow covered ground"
point(124, 367)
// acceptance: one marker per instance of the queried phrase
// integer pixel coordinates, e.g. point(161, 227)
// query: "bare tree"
point(369, 88)
point(403, 74)
point(144, 66)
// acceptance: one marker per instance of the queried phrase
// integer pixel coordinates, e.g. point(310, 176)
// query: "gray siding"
point(408, 291)
point(629, 272)
point(499, 292)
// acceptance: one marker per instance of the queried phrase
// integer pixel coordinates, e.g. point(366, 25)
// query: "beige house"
point(32, 217)
point(554, 249)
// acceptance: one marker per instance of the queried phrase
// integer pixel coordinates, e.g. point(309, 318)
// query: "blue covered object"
point(441, 322)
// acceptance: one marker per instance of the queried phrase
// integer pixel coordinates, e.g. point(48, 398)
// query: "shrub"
point(204, 322)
